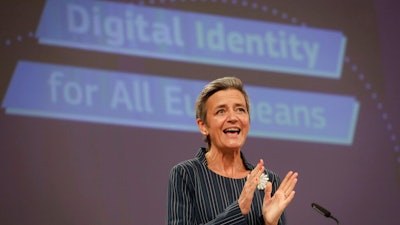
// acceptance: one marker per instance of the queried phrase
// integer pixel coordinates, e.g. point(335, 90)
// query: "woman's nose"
point(232, 115)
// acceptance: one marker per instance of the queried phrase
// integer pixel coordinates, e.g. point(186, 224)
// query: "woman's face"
point(227, 120)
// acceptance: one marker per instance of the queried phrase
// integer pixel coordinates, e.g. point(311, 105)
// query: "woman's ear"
point(202, 127)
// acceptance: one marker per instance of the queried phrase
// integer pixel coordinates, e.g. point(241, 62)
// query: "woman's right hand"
point(246, 197)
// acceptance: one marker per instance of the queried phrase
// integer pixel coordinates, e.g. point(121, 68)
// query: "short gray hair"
point(211, 88)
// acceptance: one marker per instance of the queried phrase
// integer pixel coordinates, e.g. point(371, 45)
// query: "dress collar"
point(201, 155)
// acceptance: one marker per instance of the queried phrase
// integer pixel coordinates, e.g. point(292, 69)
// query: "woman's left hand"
point(274, 206)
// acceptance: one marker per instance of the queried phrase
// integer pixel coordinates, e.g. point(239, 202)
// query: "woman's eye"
point(220, 111)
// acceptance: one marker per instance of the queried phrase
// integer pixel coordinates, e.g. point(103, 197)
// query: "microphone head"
point(321, 210)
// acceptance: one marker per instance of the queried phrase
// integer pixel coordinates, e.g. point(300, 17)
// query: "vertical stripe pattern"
point(197, 195)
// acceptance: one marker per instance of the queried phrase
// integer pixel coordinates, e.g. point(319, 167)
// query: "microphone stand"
point(337, 221)
point(324, 212)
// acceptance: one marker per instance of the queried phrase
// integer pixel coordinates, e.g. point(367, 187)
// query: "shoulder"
point(187, 168)
point(186, 165)
point(185, 174)
point(191, 165)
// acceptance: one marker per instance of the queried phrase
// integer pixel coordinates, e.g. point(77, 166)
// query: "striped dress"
point(197, 195)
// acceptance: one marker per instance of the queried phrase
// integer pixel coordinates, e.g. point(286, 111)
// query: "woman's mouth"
point(232, 131)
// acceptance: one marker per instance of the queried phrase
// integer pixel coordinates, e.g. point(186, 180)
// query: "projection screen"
point(97, 101)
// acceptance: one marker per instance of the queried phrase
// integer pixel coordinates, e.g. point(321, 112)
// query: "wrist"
point(266, 222)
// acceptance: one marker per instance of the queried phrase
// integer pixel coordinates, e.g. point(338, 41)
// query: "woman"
point(219, 186)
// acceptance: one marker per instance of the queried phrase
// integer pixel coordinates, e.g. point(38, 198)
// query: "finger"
point(287, 181)
point(260, 165)
point(290, 197)
point(253, 177)
point(268, 191)
point(293, 182)
point(247, 194)
point(257, 171)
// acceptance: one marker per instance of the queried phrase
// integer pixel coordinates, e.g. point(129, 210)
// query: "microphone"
point(323, 211)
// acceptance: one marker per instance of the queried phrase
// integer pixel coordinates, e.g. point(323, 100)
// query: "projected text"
point(192, 37)
point(83, 94)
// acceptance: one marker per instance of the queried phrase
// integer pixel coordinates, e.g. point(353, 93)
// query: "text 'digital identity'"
point(192, 37)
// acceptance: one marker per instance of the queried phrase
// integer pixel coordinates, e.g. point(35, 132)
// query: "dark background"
point(67, 172)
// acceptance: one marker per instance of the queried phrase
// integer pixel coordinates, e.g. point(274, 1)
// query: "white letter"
point(215, 38)
point(69, 88)
point(294, 45)
point(318, 114)
point(81, 16)
point(311, 52)
point(130, 26)
point(271, 42)
point(53, 83)
point(142, 25)
point(169, 100)
point(199, 32)
point(161, 34)
point(177, 32)
point(114, 28)
point(89, 90)
point(235, 42)
point(121, 96)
